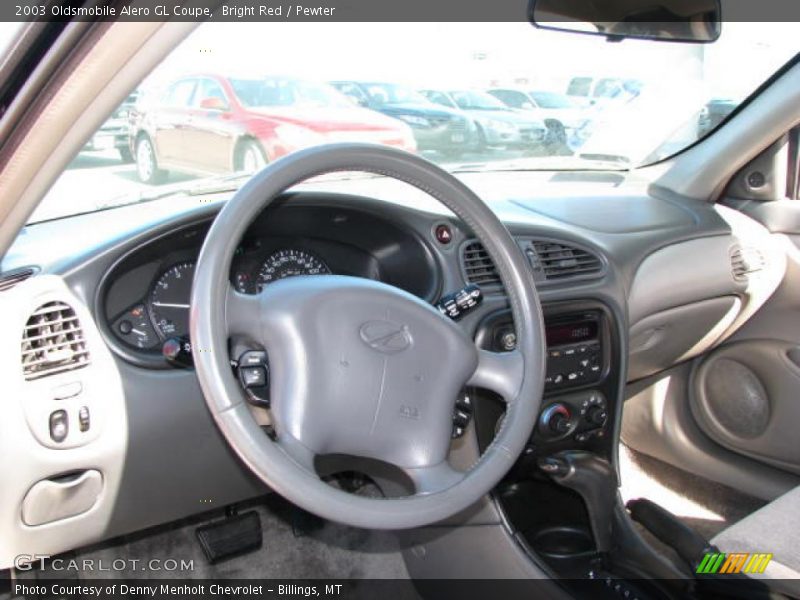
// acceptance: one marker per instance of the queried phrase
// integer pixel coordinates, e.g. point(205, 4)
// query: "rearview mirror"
point(665, 20)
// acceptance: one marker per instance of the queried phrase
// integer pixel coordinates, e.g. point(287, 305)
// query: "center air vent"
point(550, 261)
point(746, 260)
point(53, 342)
point(559, 261)
point(478, 267)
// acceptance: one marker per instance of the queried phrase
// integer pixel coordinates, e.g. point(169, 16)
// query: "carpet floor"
point(706, 506)
point(295, 545)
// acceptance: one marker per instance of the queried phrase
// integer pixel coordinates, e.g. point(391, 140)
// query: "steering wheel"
point(358, 367)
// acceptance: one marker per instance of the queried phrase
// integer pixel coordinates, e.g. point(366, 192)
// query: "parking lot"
point(100, 179)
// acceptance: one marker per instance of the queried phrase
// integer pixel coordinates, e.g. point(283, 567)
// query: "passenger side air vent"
point(53, 342)
point(478, 267)
point(560, 261)
point(746, 260)
point(11, 278)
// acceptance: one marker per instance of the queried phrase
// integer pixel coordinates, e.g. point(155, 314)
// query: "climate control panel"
point(581, 417)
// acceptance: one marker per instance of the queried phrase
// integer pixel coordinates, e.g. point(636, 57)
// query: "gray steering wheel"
point(358, 367)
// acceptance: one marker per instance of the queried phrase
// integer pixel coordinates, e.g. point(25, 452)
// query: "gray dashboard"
point(177, 464)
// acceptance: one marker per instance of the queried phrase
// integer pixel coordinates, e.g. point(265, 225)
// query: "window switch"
point(59, 425)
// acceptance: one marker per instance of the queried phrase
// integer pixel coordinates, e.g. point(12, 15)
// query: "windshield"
point(206, 118)
point(262, 93)
point(477, 100)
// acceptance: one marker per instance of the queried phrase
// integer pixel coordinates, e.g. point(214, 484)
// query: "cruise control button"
point(254, 376)
point(253, 358)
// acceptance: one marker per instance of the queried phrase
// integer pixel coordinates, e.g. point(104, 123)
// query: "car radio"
point(574, 350)
point(574, 353)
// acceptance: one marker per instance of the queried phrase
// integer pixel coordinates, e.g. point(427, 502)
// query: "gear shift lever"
point(594, 479)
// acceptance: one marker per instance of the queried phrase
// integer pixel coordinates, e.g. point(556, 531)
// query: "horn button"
point(362, 368)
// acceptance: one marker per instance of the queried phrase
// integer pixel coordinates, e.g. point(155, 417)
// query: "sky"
point(479, 54)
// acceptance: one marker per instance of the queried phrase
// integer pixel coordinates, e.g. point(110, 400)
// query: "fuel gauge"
point(134, 327)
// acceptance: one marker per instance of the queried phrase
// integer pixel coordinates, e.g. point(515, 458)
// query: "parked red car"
point(209, 124)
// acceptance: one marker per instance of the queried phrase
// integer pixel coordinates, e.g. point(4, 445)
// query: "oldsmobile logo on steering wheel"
point(385, 336)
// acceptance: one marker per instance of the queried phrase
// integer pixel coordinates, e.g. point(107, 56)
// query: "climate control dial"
point(556, 420)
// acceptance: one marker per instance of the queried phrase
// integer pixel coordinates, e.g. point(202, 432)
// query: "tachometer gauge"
point(289, 263)
point(169, 300)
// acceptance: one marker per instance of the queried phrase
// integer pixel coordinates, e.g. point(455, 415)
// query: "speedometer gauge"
point(289, 263)
point(169, 300)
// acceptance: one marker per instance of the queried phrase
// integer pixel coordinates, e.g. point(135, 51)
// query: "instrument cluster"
point(164, 312)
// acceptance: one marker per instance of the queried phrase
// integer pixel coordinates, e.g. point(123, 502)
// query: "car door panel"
point(170, 120)
point(744, 394)
point(209, 133)
point(745, 399)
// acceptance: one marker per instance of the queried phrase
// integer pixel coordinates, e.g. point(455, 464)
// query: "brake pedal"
point(234, 536)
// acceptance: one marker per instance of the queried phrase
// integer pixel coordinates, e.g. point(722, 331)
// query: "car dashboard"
point(595, 254)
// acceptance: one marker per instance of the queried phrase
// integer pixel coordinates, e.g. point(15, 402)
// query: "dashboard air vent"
point(12, 278)
point(746, 260)
point(478, 267)
point(53, 342)
point(560, 261)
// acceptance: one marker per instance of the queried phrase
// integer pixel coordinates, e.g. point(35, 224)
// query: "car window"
point(579, 86)
point(313, 94)
point(390, 93)
point(263, 92)
point(267, 92)
point(208, 88)
point(476, 100)
point(439, 98)
point(553, 100)
point(512, 98)
point(180, 94)
point(607, 88)
point(351, 90)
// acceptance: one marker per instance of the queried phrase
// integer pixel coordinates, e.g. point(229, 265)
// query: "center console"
point(580, 379)
point(547, 498)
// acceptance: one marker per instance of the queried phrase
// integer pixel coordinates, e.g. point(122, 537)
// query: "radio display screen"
point(570, 333)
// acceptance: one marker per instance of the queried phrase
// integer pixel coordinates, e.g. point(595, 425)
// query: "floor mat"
point(291, 549)
point(706, 506)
